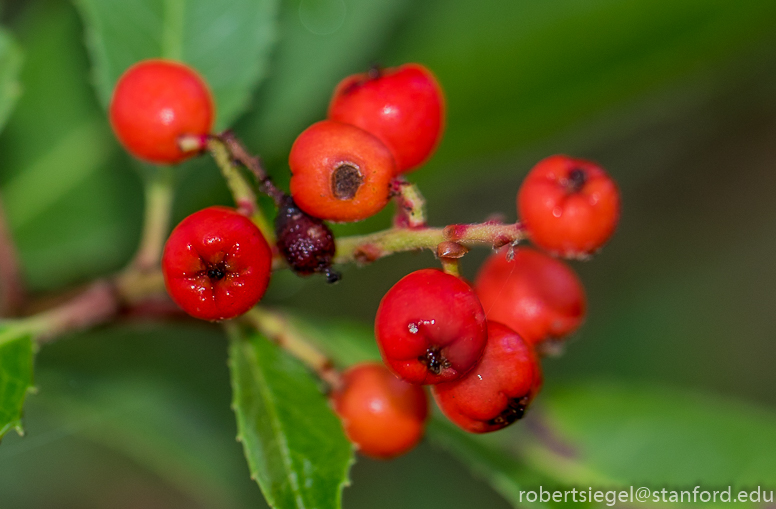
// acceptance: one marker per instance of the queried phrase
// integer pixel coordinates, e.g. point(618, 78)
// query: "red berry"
point(498, 390)
point(155, 103)
point(403, 106)
point(216, 264)
point(430, 327)
point(340, 172)
point(383, 415)
point(536, 295)
point(570, 206)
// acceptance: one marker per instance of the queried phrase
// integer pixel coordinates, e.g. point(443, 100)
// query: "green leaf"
point(633, 433)
point(15, 377)
point(227, 42)
point(10, 65)
point(294, 443)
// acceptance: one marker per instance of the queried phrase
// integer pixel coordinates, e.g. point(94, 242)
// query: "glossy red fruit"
point(498, 390)
point(570, 207)
point(538, 296)
point(155, 102)
point(340, 172)
point(382, 414)
point(216, 264)
point(430, 327)
point(403, 106)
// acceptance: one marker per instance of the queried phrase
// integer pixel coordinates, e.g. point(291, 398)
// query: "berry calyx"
point(340, 172)
point(538, 296)
point(430, 327)
point(498, 390)
point(154, 104)
point(404, 107)
point(382, 414)
point(570, 207)
point(216, 264)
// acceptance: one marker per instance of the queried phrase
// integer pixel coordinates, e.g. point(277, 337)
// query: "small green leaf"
point(294, 443)
point(10, 65)
point(227, 42)
point(15, 377)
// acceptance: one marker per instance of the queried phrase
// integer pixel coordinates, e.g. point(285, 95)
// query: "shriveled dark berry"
point(305, 241)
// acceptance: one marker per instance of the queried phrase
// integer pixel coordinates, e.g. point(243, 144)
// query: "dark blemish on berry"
point(434, 360)
point(345, 181)
point(216, 272)
point(576, 180)
point(305, 242)
point(375, 71)
point(514, 411)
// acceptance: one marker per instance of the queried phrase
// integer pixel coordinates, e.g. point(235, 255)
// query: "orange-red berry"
point(570, 207)
point(340, 172)
point(382, 414)
point(538, 296)
point(403, 106)
point(155, 102)
point(498, 390)
point(430, 327)
point(216, 264)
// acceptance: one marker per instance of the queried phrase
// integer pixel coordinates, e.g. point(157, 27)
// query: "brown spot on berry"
point(345, 181)
point(434, 360)
point(576, 180)
point(514, 411)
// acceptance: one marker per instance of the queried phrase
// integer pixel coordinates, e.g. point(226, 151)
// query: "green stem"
point(371, 247)
point(275, 326)
point(159, 193)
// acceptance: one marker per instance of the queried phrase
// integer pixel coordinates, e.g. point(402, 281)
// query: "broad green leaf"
point(16, 354)
point(227, 42)
point(321, 41)
point(654, 433)
point(294, 443)
point(68, 192)
point(10, 64)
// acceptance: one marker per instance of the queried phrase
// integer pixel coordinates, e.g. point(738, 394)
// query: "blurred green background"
point(677, 99)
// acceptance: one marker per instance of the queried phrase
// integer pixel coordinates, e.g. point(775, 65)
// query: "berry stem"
point(97, 304)
point(255, 165)
point(410, 204)
point(13, 292)
point(277, 328)
point(371, 247)
point(159, 193)
point(241, 190)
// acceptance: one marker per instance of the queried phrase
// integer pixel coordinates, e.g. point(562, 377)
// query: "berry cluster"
point(477, 346)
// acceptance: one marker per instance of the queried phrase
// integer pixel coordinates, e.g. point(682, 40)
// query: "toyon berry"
point(216, 264)
point(382, 414)
point(340, 172)
point(155, 102)
point(304, 241)
point(570, 207)
point(430, 327)
point(498, 390)
point(403, 106)
point(536, 295)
